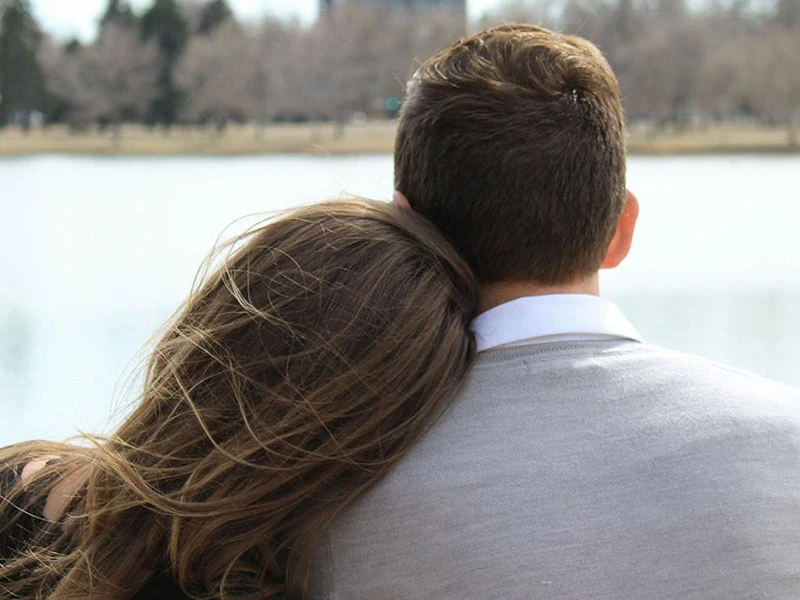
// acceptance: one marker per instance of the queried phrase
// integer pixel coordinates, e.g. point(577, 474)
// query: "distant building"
point(457, 6)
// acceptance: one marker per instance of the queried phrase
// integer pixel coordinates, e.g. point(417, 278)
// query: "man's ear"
point(400, 200)
point(623, 237)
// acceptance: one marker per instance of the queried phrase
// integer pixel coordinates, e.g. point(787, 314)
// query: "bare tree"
point(343, 63)
point(538, 12)
point(725, 86)
point(675, 59)
point(220, 69)
point(356, 58)
point(434, 29)
point(776, 77)
point(788, 13)
point(109, 82)
point(122, 73)
point(279, 53)
point(662, 76)
point(63, 69)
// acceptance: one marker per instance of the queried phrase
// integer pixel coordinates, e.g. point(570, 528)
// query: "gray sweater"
point(590, 470)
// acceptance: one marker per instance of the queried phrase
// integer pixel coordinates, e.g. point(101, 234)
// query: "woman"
point(295, 376)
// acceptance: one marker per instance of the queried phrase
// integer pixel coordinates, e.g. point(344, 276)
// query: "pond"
point(97, 253)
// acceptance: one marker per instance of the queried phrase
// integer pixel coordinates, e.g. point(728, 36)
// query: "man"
point(577, 462)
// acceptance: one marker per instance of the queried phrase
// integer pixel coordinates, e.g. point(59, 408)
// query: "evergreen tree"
point(73, 46)
point(58, 106)
point(165, 24)
point(21, 79)
point(119, 13)
point(215, 13)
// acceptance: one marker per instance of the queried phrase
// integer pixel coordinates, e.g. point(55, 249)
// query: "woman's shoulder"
point(24, 494)
point(18, 474)
point(21, 505)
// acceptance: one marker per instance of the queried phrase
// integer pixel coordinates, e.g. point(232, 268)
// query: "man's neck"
point(495, 294)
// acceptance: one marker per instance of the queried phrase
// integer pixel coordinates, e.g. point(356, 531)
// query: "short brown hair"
point(512, 142)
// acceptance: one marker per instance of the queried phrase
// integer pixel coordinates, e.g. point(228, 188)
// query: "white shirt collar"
point(556, 317)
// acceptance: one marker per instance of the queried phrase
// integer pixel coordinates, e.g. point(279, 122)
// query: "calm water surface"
point(96, 253)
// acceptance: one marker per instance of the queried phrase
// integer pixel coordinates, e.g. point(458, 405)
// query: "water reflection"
point(16, 342)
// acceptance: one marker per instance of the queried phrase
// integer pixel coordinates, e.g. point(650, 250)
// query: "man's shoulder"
point(617, 470)
point(629, 387)
point(624, 362)
point(677, 360)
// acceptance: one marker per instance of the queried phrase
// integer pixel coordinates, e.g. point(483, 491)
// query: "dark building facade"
point(459, 7)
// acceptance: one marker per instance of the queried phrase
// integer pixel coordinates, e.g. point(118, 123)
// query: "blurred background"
point(133, 134)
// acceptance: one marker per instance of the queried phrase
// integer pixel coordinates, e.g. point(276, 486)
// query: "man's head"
point(512, 143)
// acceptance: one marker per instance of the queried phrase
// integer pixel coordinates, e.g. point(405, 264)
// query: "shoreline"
point(366, 139)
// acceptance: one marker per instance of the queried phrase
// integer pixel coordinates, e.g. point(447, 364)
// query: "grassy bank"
point(711, 139)
point(370, 138)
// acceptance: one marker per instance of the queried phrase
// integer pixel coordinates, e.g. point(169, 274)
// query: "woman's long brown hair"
point(291, 380)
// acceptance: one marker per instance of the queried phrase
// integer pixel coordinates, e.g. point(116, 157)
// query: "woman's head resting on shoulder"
point(292, 379)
